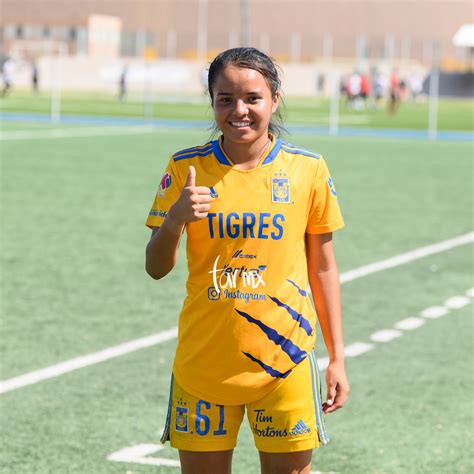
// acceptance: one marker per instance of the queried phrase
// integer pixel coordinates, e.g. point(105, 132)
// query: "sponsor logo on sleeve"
point(164, 184)
point(158, 213)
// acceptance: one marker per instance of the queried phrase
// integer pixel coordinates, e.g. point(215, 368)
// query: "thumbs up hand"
point(193, 204)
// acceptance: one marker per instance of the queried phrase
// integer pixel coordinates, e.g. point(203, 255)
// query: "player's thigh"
point(210, 462)
point(286, 463)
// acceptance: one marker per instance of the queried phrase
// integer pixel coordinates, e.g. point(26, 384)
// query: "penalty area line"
point(163, 336)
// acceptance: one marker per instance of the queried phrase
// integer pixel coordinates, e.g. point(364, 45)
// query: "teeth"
point(240, 124)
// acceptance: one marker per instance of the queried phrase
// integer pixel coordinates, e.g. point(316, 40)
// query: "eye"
point(253, 98)
point(224, 100)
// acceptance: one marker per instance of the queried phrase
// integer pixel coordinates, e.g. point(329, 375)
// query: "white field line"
point(78, 132)
point(407, 257)
point(158, 338)
point(140, 453)
point(84, 361)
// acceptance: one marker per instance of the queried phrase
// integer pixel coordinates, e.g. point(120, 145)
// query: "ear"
point(275, 101)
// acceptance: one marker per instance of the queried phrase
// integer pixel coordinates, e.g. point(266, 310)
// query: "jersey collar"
point(269, 156)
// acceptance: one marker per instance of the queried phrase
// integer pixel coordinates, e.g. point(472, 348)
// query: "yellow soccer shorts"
point(288, 419)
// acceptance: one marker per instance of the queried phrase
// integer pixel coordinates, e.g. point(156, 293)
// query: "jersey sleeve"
point(168, 193)
point(324, 214)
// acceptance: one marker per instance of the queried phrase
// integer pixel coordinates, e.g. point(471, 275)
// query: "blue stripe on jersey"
point(203, 152)
point(300, 291)
point(272, 155)
point(267, 368)
point(303, 322)
point(298, 151)
point(219, 154)
point(292, 350)
point(192, 149)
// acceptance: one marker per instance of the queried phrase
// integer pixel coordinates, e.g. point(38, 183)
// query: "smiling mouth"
point(240, 124)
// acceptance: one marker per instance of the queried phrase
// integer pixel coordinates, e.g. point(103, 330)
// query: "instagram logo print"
point(213, 294)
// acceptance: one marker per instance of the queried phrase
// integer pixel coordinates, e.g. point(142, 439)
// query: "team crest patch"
point(181, 419)
point(280, 190)
point(164, 184)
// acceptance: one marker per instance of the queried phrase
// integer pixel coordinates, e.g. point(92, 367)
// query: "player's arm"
point(162, 249)
point(325, 287)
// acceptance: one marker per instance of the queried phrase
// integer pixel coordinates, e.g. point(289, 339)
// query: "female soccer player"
point(259, 215)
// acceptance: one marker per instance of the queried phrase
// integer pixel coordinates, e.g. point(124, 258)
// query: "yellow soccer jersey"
point(247, 319)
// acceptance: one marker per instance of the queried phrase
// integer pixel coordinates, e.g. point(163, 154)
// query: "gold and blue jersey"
point(247, 319)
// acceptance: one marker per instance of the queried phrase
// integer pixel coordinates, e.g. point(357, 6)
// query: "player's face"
point(243, 104)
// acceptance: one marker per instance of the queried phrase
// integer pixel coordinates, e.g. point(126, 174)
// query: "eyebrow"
point(248, 93)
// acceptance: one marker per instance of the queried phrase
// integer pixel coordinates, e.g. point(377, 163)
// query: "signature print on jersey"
point(230, 277)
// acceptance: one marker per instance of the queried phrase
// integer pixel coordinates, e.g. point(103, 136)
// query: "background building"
point(166, 44)
point(299, 30)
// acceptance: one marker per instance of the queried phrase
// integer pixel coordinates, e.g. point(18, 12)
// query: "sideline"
point(180, 124)
point(163, 336)
point(73, 132)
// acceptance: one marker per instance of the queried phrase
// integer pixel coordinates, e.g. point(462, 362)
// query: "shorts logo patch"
point(181, 419)
point(300, 428)
point(280, 190)
point(164, 184)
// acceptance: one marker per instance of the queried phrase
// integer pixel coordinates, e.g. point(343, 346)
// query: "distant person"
point(403, 90)
point(34, 77)
point(123, 84)
point(7, 75)
point(380, 86)
point(343, 89)
point(416, 86)
point(365, 88)
point(247, 327)
point(394, 93)
point(321, 82)
point(354, 87)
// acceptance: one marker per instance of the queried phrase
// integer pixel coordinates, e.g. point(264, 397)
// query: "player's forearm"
point(326, 291)
point(162, 250)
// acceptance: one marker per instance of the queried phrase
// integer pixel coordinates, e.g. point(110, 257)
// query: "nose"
point(241, 107)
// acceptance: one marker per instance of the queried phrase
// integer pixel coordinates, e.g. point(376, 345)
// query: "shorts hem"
point(290, 447)
point(203, 446)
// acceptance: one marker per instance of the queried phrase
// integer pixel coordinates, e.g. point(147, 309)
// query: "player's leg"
point(286, 463)
point(211, 462)
point(288, 423)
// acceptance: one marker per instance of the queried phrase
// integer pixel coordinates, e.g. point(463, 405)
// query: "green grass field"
point(73, 283)
point(452, 114)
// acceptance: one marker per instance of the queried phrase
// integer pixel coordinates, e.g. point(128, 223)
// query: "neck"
point(247, 155)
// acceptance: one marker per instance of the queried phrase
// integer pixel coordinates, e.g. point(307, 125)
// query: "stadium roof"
point(464, 36)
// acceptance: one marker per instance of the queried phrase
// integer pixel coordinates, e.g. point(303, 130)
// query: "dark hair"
point(251, 58)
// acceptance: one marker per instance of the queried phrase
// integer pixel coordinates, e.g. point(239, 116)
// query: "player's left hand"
point(337, 387)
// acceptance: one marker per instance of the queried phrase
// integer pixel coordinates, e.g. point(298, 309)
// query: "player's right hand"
point(194, 202)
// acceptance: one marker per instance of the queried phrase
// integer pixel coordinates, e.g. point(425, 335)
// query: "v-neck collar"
point(267, 158)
